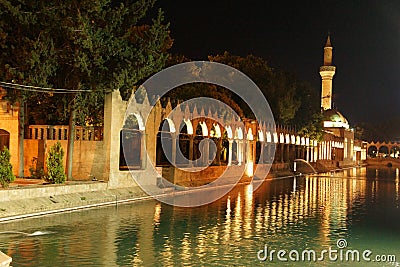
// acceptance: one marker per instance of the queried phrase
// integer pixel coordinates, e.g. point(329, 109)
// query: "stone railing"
point(327, 68)
point(60, 132)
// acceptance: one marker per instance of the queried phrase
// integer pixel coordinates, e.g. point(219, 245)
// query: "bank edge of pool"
point(31, 201)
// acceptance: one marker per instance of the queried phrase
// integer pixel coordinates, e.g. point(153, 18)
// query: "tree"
point(291, 101)
point(6, 174)
point(257, 69)
point(54, 164)
point(313, 127)
point(26, 57)
point(87, 47)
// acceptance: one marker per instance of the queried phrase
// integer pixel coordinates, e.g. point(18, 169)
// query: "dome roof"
point(333, 118)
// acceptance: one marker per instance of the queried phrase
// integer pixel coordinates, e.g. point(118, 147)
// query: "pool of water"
point(356, 210)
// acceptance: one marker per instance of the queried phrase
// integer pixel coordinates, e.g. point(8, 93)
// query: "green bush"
point(36, 171)
point(6, 174)
point(54, 163)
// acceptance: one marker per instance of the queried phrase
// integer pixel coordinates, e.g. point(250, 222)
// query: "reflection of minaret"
point(327, 71)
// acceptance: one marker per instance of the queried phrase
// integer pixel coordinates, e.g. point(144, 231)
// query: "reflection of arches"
point(4, 139)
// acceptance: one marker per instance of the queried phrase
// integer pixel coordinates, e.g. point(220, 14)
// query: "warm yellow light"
point(249, 169)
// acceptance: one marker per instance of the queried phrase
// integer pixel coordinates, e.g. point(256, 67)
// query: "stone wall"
point(49, 190)
point(9, 123)
point(88, 159)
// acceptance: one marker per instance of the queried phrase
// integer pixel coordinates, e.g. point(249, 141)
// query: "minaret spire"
point(327, 71)
point(328, 40)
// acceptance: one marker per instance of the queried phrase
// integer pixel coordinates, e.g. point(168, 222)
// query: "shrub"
point(54, 163)
point(6, 174)
point(36, 171)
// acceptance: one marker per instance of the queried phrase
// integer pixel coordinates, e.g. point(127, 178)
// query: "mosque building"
point(339, 146)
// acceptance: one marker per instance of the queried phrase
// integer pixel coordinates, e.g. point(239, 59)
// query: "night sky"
point(365, 37)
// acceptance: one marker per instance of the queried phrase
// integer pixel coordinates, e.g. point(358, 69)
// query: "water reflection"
point(294, 213)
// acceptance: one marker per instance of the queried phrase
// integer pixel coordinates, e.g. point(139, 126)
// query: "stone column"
point(191, 139)
point(239, 152)
point(218, 152)
point(143, 158)
point(261, 158)
point(287, 153)
point(173, 148)
point(230, 152)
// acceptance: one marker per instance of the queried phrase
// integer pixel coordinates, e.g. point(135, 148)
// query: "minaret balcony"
point(327, 68)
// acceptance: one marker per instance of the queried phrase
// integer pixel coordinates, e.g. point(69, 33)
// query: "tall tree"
point(26, 57)
point(292, 101)
point(88, 47)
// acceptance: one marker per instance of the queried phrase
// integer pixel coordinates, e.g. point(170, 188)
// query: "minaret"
point(327, 71)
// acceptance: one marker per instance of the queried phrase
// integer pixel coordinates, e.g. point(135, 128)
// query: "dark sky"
point(290, 36)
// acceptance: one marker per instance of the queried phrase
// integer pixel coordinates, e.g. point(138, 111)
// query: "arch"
point(287, 138)
point(276, 140)
point(239, 133)
point(183, 143)
point(130, 152)
point(298, 140)
point(261, 136)
point(204, 129)
point(269, 137)
point(183, 128)
point(171, 125)
point(189, 126)
point(165, 131)
point(250, 134)
point(281, 138)
point(215, 131)
point(394, 151)
point(133, 121)
point(293, 139)
point(4, 139)
point(383, 151)
point(229, 132)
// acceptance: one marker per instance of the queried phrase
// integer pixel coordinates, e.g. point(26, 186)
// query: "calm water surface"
point(360, 206)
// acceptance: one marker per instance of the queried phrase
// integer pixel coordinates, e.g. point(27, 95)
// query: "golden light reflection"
point(248, 211)
point(325, 200)
point(201, 244)
point(157, 214)
point(186, 250)
point(227, 223)
point(249, 168)
point(397, 185)
point(237, 221)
